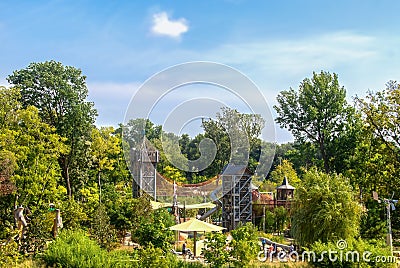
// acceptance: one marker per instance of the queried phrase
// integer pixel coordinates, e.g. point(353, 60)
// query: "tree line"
point(52, 152)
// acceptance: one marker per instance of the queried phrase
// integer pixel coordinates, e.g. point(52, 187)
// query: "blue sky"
point(120, 44)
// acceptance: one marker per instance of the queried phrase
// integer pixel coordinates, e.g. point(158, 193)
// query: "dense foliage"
point(51, 152)
point(351, 253)
point(328, 211)
point(215, 251)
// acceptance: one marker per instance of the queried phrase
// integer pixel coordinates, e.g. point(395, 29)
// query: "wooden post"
point(194, 246)
point(99, 180)
point(184, 211)
point(264, 218)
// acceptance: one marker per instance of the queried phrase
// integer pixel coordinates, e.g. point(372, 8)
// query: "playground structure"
point(236, 187)
point(237, 197)
point(232, 191)
point(283, 198)
point(144, 167)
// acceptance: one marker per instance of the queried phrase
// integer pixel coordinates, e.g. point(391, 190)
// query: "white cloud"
point(362, 62)
point(299, 55)
point(163, 25)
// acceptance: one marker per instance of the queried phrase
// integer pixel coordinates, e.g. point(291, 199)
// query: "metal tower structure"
point(144, 163)
point(237, 197)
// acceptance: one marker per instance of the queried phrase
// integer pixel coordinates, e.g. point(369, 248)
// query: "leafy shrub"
point(151, 256)
point(281, 216)
point(245, 244)
point(76, 249)
point(155, 257)
point(39, 232)
point(9, 254)
point(73, 214)
point(215, 249)
point(156, 232)
point(104, 233)
point(269, 221)
point(351, 255)
point(325, 209)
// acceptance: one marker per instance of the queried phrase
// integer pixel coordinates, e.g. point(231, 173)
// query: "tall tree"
point(236, 136)
point(325, 209)
point(285, 169)
point(8, 113)
point(314, 113)
point(29, 149)
point(382, 114)
point(104, 150)
point(59, 92)
point(378, 154)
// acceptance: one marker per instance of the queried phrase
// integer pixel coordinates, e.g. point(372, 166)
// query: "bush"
point(76, 249)
point(325, 209)
point(215, 250)
point(9, 254)
point(346, 254)
point(73, 215)
point(39, 232)
point(151, 256)
point(101, 230)
point(156, 232)
point(245, 244)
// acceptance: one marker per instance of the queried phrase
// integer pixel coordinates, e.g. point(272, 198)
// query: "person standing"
point(271, 252)
point(184, 248)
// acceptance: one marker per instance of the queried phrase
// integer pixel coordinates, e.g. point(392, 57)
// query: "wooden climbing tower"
point(144, 164)
point(237, 196)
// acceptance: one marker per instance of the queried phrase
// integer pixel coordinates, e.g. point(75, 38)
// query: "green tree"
point(382, 118)
point(382, 115)
point(215, 249)
point(33, 147)
point(36, 148)
point(134, 131)
point(244, 244)
point(315, 112)
point(373, 222)
point(7, 167)
point(102, 230)
point(9, 105)
point(174, 174)
point(377, 156)
point(29, 149)
point(281, 217)
point(232, 129)
point(325, 209)
point(59, 93)
point(285, 169)
point(190, 148)
point(74, 215)
point(156, 231)
point(126, 213)
point(104, 150)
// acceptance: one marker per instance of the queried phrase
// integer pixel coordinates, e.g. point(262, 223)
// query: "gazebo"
point(285, 191)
